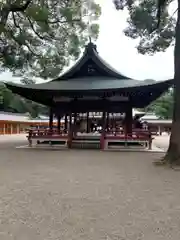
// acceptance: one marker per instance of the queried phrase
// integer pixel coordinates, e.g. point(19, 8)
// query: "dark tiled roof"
point(89, 83)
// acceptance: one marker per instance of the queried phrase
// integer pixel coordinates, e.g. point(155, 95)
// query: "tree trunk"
point(172, 156)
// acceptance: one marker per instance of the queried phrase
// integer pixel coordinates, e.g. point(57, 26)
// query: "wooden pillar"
point(102, 140)
point(11, 128)
point(75, 124)
point(66, 122)
point(18, 128)
point(4, 129)
point(70, 133)
point(107, 121)
point(75, 117)
point(87, 122)
point(51, 119)
point(128, 120)
point(159, 130)
point(59, 123)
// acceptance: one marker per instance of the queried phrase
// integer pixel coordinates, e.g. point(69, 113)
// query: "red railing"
point(136, 133)
point(46, 133)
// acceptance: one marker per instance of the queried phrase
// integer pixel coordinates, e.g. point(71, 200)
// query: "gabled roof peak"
point(91, 65)
point(90, 48)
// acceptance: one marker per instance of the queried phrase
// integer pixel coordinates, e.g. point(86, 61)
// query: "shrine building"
point(92, 85)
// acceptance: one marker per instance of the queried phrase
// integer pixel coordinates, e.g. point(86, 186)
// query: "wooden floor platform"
point(56, 147)
point(90, 141)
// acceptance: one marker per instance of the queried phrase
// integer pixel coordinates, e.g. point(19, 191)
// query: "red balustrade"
point(47, 133)
point(137, 135)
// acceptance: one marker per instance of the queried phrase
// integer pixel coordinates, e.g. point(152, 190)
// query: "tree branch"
point(22, 44)
point(14, 20)
point(32, 26)
point(22, 8)
point(4, 12)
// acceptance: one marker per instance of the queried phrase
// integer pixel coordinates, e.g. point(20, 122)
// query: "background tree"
point(38, 36)
point(150, 20)
point(143, 24)
point(163, 106)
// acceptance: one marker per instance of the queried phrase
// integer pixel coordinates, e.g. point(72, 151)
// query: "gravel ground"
point(162, 142)
point(88, 195)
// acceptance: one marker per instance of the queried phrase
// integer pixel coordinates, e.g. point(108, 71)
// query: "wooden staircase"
point(81, 142)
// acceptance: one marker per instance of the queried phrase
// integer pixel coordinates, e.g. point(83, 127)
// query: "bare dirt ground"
point(88, 195)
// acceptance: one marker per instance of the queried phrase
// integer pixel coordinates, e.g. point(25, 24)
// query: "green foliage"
point(163, 106)
point(144, 24)
point(40, 37)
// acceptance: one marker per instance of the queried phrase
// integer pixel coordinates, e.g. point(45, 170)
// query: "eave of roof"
point(89, 84)
point(159, 121)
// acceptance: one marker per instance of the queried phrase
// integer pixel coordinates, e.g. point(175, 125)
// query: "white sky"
point(120, 52)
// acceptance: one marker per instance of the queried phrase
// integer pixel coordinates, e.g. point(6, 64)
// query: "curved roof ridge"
point(78, 64)
point(90, 52)
point(109, 67)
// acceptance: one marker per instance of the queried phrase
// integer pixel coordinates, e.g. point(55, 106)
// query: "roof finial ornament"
point(90, 39)
point(90, 47)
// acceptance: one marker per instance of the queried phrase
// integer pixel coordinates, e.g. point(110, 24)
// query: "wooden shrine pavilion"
point(91, 85)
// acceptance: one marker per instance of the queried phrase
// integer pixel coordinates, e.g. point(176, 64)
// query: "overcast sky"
point(120, 52)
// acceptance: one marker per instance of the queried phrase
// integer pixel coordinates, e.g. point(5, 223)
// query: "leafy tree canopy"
point(38, 36)
point(155, 33)
point(163, 106)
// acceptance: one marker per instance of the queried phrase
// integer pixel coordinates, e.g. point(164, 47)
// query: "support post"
point(75, 123)
point(59, 123)
point(159, 130)
point(128, 120)
point(51, 119)
point(70, 131)
point(11, 128)
point(107, 122)
point(4, 129)
point(102, 140)
point(87, 122)
point(18, 128)
point(66, 122)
